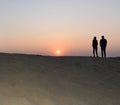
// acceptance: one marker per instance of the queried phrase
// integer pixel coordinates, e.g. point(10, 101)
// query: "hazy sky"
point(44, 26)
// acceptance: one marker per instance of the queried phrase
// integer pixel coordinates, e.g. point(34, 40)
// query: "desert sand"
point(47, 80)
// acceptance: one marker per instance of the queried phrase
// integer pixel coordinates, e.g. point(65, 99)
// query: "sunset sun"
point(58, 52)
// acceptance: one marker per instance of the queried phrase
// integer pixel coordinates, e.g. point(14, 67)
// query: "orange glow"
point(58, 52)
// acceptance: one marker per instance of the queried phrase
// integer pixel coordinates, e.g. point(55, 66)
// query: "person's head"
point(94, 38)
point(102, 37)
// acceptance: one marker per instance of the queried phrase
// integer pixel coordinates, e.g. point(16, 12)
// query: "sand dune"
point(45, 80)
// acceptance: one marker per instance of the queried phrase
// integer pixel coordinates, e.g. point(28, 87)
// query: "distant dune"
point(47, 80)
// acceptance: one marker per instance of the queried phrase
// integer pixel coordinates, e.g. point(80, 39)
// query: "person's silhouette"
point(94, 45)
point(103, 44)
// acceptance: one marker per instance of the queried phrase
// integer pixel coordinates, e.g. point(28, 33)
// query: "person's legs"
point(93, 52)
point(101, 52)
point(96, 52)
point(105, 52)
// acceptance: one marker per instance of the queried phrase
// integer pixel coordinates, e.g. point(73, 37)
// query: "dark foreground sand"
point(40, 80)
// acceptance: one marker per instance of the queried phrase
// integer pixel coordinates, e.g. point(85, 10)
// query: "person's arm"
point(97, 43)
point(92, 43)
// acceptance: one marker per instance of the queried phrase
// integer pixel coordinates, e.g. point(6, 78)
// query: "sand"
point(47, 80)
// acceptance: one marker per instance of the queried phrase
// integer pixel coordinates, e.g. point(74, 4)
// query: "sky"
point(46, 26)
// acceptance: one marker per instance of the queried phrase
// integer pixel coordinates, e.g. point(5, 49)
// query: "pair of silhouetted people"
point(103, 44)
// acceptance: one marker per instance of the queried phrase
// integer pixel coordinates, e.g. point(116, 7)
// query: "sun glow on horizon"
point(58, 53)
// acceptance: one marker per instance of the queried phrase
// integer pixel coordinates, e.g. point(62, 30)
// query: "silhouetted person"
point(94, 45)
point(103, 44)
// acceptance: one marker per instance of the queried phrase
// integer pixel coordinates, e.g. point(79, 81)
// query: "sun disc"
point(58, 51)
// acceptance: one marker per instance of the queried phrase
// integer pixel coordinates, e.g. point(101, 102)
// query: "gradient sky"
point(44, 26)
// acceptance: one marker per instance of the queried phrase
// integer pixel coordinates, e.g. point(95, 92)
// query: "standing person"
point(103, 44)
point(94, 45)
